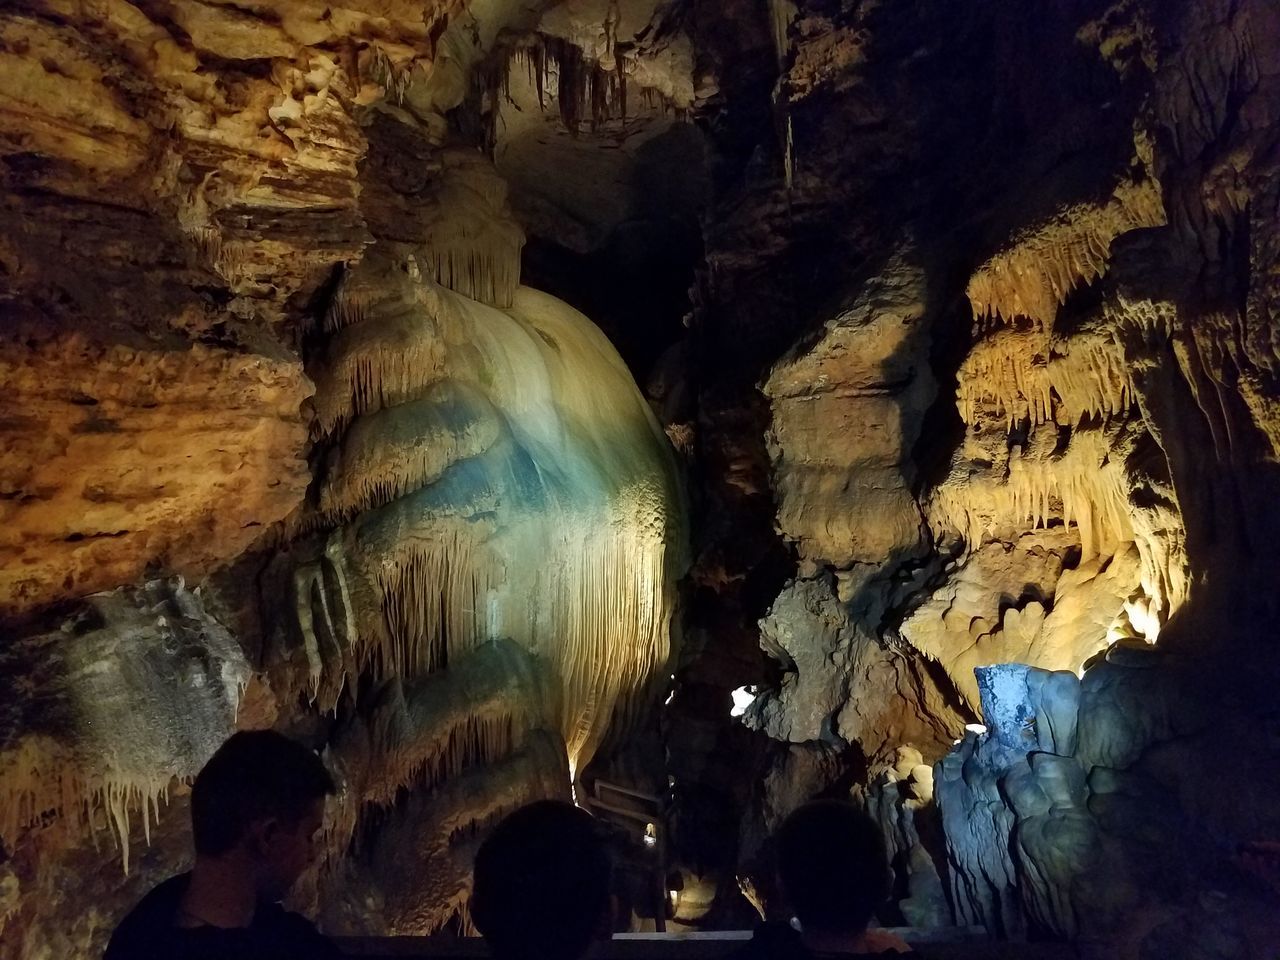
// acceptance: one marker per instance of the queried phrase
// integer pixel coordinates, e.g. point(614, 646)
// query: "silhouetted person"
point(255, 810)
point(834, 875)
point(542, 884)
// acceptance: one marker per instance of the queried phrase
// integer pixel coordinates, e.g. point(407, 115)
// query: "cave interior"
point(686, 407)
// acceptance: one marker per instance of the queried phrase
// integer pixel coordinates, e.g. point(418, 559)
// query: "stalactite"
point(476, 741)
point(469, 258)
point(585, 90)
point(1084, 487)
point(431, 598)
point(471, 243)
point(601, 613)
point(1028, 376)
point(378, 68)
point(605, 621)
point(40, 786)
point(1034, 276)
point(322, 592)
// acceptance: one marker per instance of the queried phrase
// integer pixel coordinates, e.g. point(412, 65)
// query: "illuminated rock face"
point(1023, 421)
point(122, 458)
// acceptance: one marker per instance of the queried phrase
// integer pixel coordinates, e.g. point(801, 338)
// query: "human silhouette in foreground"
point(834, 875)
point(255, 810)
point(542, 884)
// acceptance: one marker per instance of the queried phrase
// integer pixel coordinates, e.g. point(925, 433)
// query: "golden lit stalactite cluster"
point(1084, 486)
point(1033, 277)
point(1030, 377)
point(1053, 433)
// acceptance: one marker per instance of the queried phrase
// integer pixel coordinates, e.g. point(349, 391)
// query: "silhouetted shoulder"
point(778, 941)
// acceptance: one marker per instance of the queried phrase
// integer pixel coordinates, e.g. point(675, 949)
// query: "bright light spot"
point(650, 835)
point(743, 697)
point(978, 728)
point(670, 696)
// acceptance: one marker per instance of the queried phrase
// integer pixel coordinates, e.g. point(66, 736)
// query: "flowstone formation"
point(498, 479)
point(485, 438)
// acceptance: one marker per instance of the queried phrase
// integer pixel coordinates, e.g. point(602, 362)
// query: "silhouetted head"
point(832, 866)
point(542, 883)
point(261, 796)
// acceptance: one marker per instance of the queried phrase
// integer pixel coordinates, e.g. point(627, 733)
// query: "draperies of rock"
point(536, 437)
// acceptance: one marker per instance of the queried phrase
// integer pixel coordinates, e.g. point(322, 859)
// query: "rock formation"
point(320, 332)
point(265, 326)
